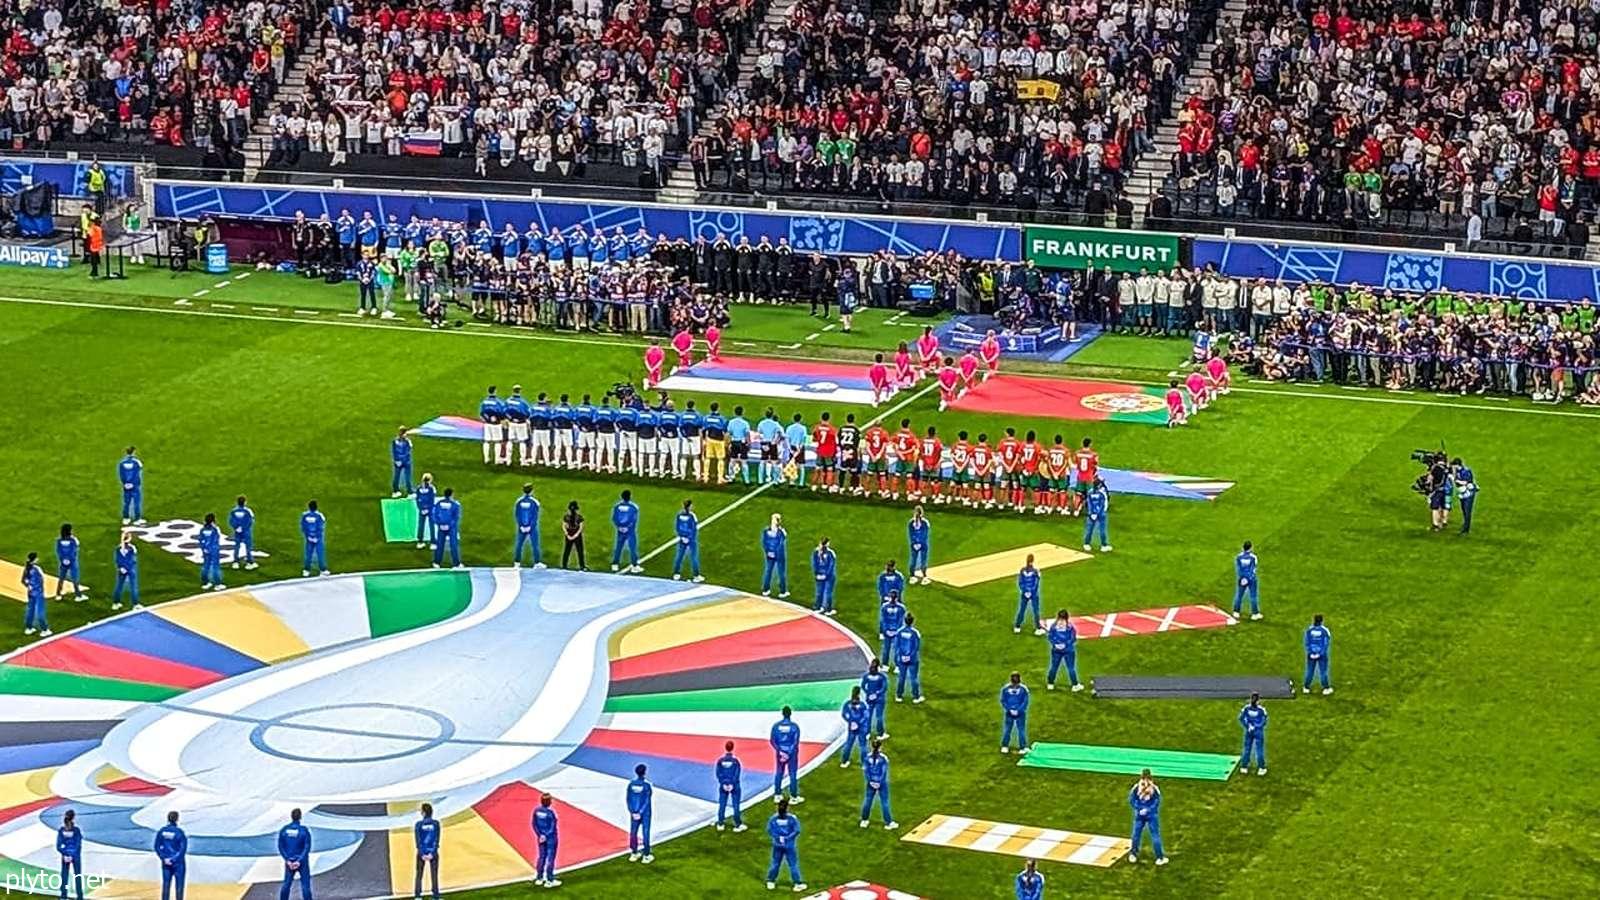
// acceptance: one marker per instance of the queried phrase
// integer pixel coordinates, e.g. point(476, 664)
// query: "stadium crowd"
point(185, 73)
point(954, 100)
point(1398, 112)
point(555, 86)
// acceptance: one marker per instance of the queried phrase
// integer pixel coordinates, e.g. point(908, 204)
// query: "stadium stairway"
point(680, 181)
point(258, 146)
point(1150, 171)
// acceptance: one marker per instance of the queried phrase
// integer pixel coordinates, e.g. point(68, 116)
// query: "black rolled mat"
point(1191, 687)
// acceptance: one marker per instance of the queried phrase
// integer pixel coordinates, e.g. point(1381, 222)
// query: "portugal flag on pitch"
point(1016, 395)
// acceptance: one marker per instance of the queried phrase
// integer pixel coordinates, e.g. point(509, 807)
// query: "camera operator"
point(1439, 486)
point(1466, 489)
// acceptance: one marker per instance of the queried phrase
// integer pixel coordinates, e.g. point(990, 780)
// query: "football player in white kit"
point(517, 413)
point(492, 410)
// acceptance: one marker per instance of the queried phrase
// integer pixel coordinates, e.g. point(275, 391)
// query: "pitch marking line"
point(222, 284)
point(636, 345)
point(763, 488)
point(180, 302)
point(222, 306)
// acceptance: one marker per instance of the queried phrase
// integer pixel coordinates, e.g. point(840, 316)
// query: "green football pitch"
point(1456, 757)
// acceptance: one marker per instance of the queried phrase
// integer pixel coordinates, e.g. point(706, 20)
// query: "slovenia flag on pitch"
point(776, 378)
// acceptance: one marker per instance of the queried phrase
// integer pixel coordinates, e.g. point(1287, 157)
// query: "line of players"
point(1016, 472)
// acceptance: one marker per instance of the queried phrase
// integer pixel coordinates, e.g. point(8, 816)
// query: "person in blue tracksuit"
point(784, 829)
point(1145, 800)
point(314, 533)
point(824, 569)
point(1253, 719)
point(1096, 509)
point(210, 538)
point(785, 741)
point(857, 716)
point(1466, 487)
point(1062, 636)
point(1014, 714)
point(447, 528)
point(130, 471)
point(367, 231)
point(1028, 579)
point(346, 226)
point(172, 849)
point(425, 499)
point(775, 557)
point(67, 564)
point(1029, 883)
point(1244, 571)
point(294, 845)
point(33, 616)
point(687, 528)
point(526, 513)
point(426, 833)
point(919, 534)
point(875, 769)
point(625, 519)
point(400, 455)
point(730, 788)
point(639, 801)
point(890, 581)
point(69, 846)
point(127, 560)
point(242, 520)
point(1318, 640)
point(875, 691)
point(908, 661)
point(891, 618)
point(547, 833)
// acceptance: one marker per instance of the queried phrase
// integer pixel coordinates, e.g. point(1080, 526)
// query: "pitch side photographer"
point(1436, 484)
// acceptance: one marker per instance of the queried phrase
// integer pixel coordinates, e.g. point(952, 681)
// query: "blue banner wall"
point(1411, 271)
point(806, 231)
point(71, 178)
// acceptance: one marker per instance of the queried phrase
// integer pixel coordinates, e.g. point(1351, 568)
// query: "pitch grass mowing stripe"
point(1129, 761)
point(399, 520)
point(816, 695)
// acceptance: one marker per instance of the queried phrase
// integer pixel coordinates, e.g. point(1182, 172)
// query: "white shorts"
point(668, 446)
point(648, 445)
point(541, 438)
point(630, 440)
point(580, 263)
point(586, 440)
point(564, 437)
point(690, 446)
point(494, 431)
point(391, 252)
point(517, 432)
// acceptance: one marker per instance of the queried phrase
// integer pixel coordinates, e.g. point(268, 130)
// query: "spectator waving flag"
point(423, 143)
